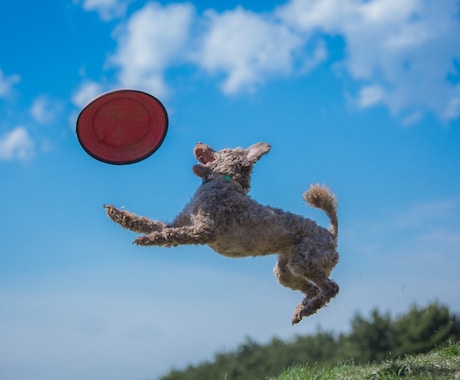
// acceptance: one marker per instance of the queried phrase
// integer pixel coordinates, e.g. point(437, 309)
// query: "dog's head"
point(235, 163)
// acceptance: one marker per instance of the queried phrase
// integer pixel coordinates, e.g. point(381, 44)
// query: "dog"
point(222, 215)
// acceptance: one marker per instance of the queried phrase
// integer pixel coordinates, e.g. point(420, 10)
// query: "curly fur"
point(224, 217)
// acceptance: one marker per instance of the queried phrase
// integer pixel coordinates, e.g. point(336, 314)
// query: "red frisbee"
point(122, 126)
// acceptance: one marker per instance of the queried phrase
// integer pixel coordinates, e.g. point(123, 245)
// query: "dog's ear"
point(201, 171)
point(254, 152)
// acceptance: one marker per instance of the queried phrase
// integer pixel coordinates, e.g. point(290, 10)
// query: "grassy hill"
point(391, 342)
point(442, 363)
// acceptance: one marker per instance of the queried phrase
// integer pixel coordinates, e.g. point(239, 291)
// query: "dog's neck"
point(223, 177)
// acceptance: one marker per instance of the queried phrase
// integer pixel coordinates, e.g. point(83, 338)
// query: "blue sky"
point(361, 95)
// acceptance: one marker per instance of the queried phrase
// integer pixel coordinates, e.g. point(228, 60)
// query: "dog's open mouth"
point(204, 154)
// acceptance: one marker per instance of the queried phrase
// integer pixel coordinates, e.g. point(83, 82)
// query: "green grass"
point(443, 363)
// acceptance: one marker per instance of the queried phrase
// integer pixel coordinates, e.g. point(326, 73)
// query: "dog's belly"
point(254, 241)
point(247, 228)
point(229, 249)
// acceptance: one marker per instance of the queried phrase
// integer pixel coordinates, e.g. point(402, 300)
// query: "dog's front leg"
point(173, 236)
point(133, 222)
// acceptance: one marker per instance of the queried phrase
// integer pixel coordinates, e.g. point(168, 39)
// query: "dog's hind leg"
point(286, 278)
point(306, 260)
point(309, 306)
point(133, 222)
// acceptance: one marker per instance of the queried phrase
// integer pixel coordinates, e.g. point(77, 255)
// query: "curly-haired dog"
point(224, 217)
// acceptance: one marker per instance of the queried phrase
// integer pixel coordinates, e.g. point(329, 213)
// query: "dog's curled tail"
point(321, 197)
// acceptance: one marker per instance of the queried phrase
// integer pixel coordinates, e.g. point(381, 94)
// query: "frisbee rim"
point(128, 161)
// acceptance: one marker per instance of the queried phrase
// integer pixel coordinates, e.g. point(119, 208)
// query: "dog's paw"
point(156, 239)
point(114, 213)
point(302, 311)
point(141, 240)
point(110, 209)
point(297, 317)
point(145, 240)
point(121, 217)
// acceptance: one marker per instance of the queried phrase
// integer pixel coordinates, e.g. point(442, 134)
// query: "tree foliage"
point(422, 329)
point(372, 339)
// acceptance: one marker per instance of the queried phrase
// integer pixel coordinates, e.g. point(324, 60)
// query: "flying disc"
point(122, 126)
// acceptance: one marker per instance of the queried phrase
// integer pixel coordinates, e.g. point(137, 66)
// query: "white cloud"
point(16, 145)
point(412, 118)
point(442, 235)
point(153, 39)
point(87, 91)
point(398, 54)
point(318, 56)
point(6, 83)
point(247, 47)
point(408, 47)
point(107, 9)
point(307, 15)
point(429, 213)
point(371, 95)
point(452, 109)
point(44, 110)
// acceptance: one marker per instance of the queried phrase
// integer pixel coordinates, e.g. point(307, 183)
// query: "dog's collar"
point(223, 177)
